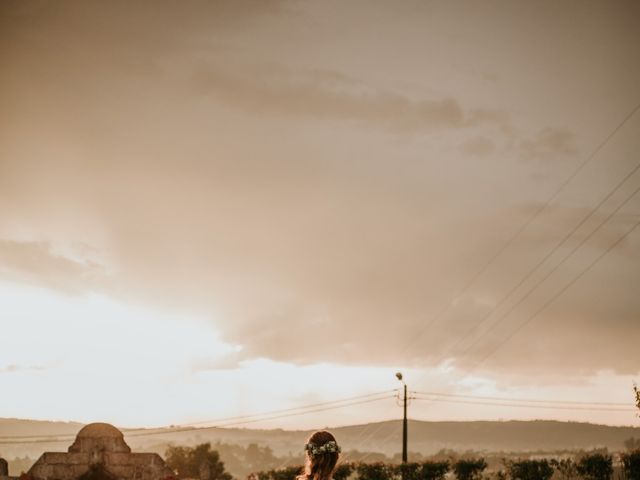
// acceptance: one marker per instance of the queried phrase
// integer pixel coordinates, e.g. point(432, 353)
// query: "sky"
point(217, 208)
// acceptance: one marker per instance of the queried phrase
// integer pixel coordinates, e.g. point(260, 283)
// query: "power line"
point(285, 410)
point(224, 419)
point(520, 327)
point(530, 400)
point(523, 227)
point(571, 405)
point(223, 424)
point(560, 292)
point(559, 264)
point(520, 405)
point(566, 286)
point(557, 246)
point(461, 293)
point(284, 415)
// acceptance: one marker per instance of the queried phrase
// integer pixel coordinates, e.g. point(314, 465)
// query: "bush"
point(530, 470)
point(408, 471)
point(374, 471)
point(595, 466)
point(343, 471)
point(469, 469)
point(433, 470)
point(286, 473)
point(631, 464)
point(566, 468)
point(190, 462)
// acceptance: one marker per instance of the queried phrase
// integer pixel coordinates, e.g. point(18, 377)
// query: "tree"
point(470, 469)
point(196, 462)
point(286, 473)
point(434, 470)
point(408, 471)
point(595, 466)
point(637, 393)
point(631, 464)
point(343, 471)
point(530, 470)
point(257, 457)
point(566, 468)
point(374, 471)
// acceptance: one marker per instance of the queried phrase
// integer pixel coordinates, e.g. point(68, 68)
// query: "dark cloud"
point(550, 142)
point(304, 240)
point(323, 95)
point(478, 146)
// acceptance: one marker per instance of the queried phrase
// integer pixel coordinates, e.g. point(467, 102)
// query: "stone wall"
point(99, 453)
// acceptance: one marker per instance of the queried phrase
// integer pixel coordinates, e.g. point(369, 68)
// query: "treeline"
point(590, 466)
point(226, 461)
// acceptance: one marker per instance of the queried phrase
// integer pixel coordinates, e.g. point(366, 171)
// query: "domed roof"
point(99, 437)
point(99, 430)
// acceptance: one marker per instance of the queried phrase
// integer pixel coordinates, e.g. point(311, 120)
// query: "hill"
point(385, 437)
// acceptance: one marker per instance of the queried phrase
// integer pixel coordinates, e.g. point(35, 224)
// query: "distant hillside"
point(385, 437)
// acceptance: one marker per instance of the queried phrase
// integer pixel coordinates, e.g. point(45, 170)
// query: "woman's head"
point(322, 456)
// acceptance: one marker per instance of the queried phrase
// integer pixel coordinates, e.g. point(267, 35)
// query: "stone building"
point(100, 453)
point(4, 469)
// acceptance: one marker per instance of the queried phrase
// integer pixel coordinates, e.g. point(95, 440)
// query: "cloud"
point(21, 368)
point(478, 146)
point(229, 361)
point(550, 142)
point(323, 94)
point(189, 142)
point(34, 263)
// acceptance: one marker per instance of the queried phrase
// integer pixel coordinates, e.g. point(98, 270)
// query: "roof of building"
point(99, 430)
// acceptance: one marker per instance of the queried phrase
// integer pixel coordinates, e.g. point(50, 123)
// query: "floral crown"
point(329, 447)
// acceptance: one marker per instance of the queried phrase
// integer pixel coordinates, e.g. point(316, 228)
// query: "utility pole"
point(404, 419)
point(404, 427)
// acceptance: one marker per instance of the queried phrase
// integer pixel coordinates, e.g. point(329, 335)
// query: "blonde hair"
point(320, 466)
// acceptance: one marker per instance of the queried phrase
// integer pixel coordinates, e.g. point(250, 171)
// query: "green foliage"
point(566, 468)
point(631, 464)
point(194, 462)
point(264, 475)
point(530, 470)
point(469, 469)
point(241, 461)
point(371, 471)
point(407, 471)
point(374, 471)
point(595, 466)
point(343, 471)
point(286, 473)
point(434, 470)
point(421, 471)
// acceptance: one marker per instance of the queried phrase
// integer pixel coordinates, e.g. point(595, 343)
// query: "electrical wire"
point(520, 405)
point(559, 293)
point(530, 400)
point(222, 424)
point(559, 264)
point(458, 296)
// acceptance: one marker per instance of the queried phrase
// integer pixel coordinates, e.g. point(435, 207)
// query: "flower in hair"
point(329, 447)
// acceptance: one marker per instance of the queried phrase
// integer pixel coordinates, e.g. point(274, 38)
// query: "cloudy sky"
point(217, 208)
